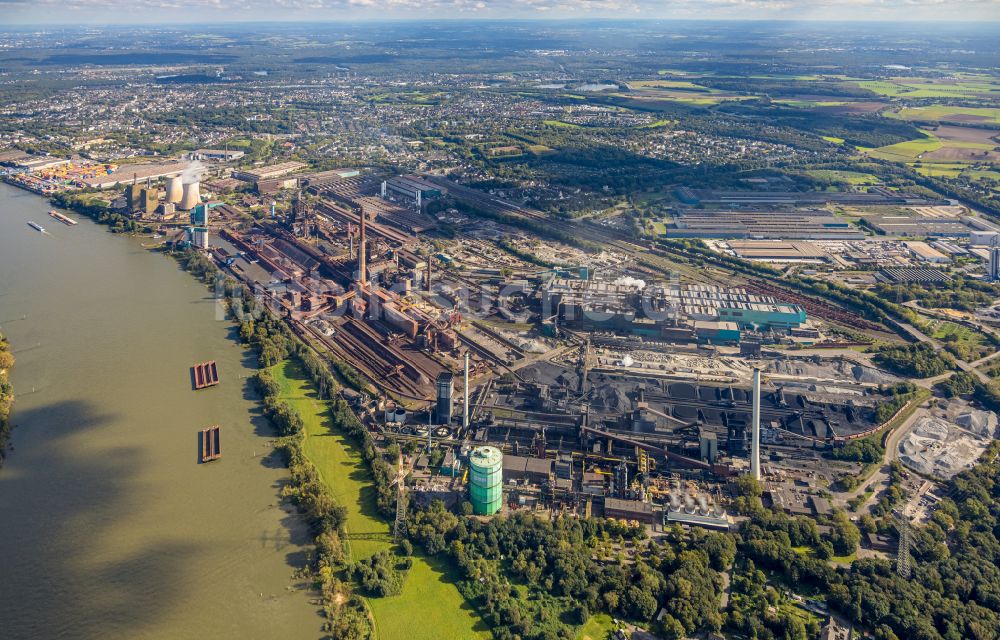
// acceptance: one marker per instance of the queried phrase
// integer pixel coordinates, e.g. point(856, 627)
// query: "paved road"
point(879, 481)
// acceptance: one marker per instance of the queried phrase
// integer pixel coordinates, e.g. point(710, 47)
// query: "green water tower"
point(486, 480)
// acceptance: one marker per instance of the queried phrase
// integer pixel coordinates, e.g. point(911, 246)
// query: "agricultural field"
point(341, 468)
point(907, 151)
point(939, 170)
point(938, 112)
point(682, 91)
point(944, 145)
point(667, 84)
point(801, 103)
point(938, 88)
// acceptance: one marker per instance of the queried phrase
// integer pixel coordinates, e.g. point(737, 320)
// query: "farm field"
point(922, 88)
point(945, 145)
point(907, 151)
point(937, 112)
point(667, 84)
point(341, 468)
point(811, 104)
point(685, 97)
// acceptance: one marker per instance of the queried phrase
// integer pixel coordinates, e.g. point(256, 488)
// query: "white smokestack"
point(191, 198)
point(755, 433)
point(465, 409)
point(174, 189)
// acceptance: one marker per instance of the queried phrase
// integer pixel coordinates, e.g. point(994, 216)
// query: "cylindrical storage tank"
point(486, 480)
point(174, 190)
point(400, 415)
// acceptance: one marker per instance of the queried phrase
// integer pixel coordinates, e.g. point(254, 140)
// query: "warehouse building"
point(630, 305)
point(763, 225)
point(410, 188)
point(874, 196)
point(927, 253)
point(778, 251)
point(920, 227)
point(222, 155)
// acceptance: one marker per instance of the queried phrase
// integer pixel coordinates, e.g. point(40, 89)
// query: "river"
point(109, 526)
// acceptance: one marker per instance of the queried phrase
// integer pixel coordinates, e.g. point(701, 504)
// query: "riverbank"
point(343, 466)
point(6, 395)
point(430, 605)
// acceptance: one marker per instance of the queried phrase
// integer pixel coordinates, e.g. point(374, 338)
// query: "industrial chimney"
point(191, 197)
point(755, 428)
point(174, 189)
point(465, 408)
point(362, 252)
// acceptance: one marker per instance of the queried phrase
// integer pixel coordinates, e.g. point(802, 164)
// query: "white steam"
point(193, 173)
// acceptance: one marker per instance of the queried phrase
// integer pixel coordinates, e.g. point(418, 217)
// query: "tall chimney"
point(465, 409)
point(428, 273)
point(362, 252)
point(755, 433)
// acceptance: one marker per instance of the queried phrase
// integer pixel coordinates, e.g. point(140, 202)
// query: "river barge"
point(62, 218)
point(205, 374)
point(211, 444)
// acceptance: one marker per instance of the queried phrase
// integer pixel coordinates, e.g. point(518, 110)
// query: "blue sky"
point(151, 11)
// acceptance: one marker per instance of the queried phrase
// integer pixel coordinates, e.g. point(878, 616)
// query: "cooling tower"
point(191, 197)
point(174, 189)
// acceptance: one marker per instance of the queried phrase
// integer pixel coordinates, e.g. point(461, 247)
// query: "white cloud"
point(95, 10)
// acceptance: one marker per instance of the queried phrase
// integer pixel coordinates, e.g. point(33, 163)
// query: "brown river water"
point(109, 526)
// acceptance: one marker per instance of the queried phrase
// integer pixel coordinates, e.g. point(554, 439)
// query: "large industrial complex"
point(534, 330)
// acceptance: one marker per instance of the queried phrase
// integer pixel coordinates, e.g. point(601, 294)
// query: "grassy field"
point(964, 338)
point(811, 104)
point(907, 151)
point(919, 88)
point(599, 627)
point(430, 607)
point(560, 123)
point(430, 580)
point(540, 149)
point(948, 151)
point(850, 177)
point(945, 170)
point(936, 112)
point(667, 84)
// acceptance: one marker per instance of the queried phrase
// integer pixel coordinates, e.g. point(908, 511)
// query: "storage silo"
point(174, 189)
point(486, 480)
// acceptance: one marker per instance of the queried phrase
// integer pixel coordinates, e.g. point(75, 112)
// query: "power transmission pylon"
point(400, 524)
point(903, 552)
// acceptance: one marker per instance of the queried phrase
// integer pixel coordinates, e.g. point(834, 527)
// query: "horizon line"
point(465, 19)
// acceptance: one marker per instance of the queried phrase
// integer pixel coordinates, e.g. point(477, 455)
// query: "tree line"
point(6, 394)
